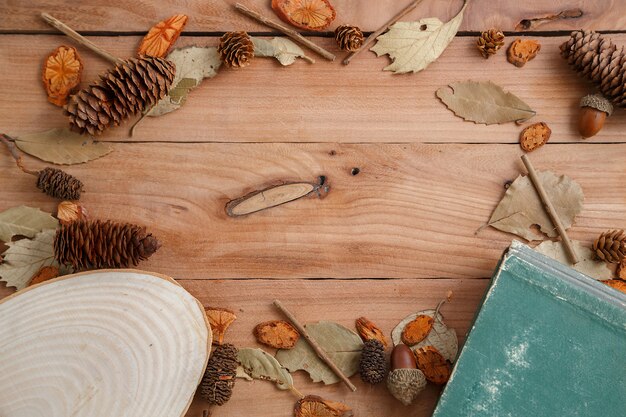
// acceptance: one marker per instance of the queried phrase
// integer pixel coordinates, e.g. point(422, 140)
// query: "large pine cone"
point(610, 246)
point(220, 374)
point(489, 42)
point(349, 38)
point(97, 244)
point(59, 184)
point(373, 366)
point(131, 87)
point(236, 49)
point(600, 60)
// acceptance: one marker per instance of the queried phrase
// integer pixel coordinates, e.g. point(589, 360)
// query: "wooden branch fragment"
point(10, 144)
point(383, 28)
point(289, 32)
point(78, 38)
point(550, 210)
point(321, 353)
point(527, 24)
point(270, 197)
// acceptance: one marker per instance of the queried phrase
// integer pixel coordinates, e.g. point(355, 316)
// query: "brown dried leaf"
point(314, 406)
point(70, 211)
point(305, 14)
point(162, 36)
point(369, 331)
point(417, 330)
point(534, 136)
point(618, 284)
point(522, 50)
point(61, 74)
point(46, 273)
point(435, 367)
point(219, 319)
point(277, 334)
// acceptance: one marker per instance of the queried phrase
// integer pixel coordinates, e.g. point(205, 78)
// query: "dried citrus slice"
point(434, 366)
point(305, 14)
point(162, 36)
point(61, 74)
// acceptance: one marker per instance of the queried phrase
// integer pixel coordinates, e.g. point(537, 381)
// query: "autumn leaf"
point(484, 102)
point(440, 336)
point(62, 146)
point(284, 50)
point(587, 262)
point(26, 257)
point(520, 208)
point(258, 364)
point(24, 221)
point(414, 45)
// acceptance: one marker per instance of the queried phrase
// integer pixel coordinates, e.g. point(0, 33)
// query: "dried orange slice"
point(305, 14)
point(61, 74)
point(219, 319)
point(162, 36)
point(417, 330)
point(434, 366)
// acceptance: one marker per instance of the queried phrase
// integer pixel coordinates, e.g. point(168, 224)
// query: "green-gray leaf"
point(284, 50)
point(62, 146)
point(258, 364)
point(441, 336)
point(26, 257)
point(24, 221)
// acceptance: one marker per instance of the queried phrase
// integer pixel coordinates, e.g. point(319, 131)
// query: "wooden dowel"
point(78, 38)
point(289, 32)
point(383, 28)
point(317, 348)
point(549, 208)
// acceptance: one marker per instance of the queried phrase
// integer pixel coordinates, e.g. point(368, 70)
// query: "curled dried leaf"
point(162, 36)
point(305, 14)
point(369, 331)
point(534, 136)
point(435, 367)
point(522, 50)
point(278, 334)
point(314, 406)
point(61, 74)
point(618, 284)
point(417, 330)
point(46, 273)
point(219, 319)
point(70, 211)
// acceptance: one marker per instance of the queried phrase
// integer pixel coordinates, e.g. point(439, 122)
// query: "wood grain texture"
point(212, 16)
point(411, 211)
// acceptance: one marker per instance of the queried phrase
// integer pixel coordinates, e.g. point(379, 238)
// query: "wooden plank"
point(412, 211)
point(324, 102)
point(211, 16)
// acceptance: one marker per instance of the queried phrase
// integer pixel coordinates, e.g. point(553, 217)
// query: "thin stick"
point(62, 27)
point(549, 208)
point(289, 32)
point(10, 143)
point(317, 348)
point(383, 28)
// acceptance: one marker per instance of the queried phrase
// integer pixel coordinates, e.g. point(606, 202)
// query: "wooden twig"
point(289, 32)
point(10, 143)
point(550, 210)
point(78, 38)
point(270, 197)
point(383, 28)
point(527, 24)
point(321, 353)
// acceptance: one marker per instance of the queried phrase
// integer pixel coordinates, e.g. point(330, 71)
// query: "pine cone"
point(236, 49)
point(103, 244)
point(600, 60)
point(349, 38)
point(130, 88)
point(219, 377)
point(489, 42)
point(373, 366)
point(59, 184)
point(611, 246)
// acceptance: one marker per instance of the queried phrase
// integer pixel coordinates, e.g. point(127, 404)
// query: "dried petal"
point(70, 211)
point(219, 319)
point(162, 36)
point(618, 284)
point(305, 14)
point(44, 274)
point(417, 330)
point(522, 51)
point(314, 406)
point(61, 74)
point(435, 367)
point(369, 331)
point(277, 334)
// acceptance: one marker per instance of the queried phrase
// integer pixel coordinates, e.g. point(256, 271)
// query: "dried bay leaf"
point(484, 102)
point(258, 364)
point(284, 50)
point(442, 337)
point(24, 221)
point(62, 146)
point(587, 263)
point(520, 208)
point(414, 45)
point(342, 345)
point(26, 257)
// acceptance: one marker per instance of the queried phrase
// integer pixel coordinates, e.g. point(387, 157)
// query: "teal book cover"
point(547, 341)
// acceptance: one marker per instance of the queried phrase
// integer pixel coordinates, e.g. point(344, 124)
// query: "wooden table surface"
point(411, 185)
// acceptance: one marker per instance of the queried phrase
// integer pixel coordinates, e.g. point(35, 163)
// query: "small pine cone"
point(103, 244)
point(611, 246)
point(349, 38)
point(131, 87)
point(59, 184)
point(373, 366)
point(489, 42)
point(236, 49)
point(220, 374)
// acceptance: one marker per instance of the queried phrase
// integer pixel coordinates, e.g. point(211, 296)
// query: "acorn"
point(405, 382)
point(595, 108)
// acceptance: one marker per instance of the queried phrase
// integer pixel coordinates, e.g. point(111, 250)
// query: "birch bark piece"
point(104, 343)
point(268, 198)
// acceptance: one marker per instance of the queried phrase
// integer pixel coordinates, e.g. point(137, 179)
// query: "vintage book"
point(547, 341)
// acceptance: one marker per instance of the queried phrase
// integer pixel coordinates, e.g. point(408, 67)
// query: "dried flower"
point(369, 331)
point(70, 211)
point(277, 334)
point(61, 74)
point(417, 330)
point(314, 406)
point(219, 319)
point(162, 36)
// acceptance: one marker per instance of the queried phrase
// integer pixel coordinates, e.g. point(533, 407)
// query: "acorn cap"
point(598, 102)
point(406, 384)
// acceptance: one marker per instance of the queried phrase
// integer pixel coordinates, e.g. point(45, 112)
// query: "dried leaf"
point(314, 406)
point(415, 331)
point(484, 102)
point(24, 221)
point(342, 345)
point(70, 211)
point(283, 49)
point(414, 45)
point(219, 319)
point(520, 208)
point(277, 334)
point(162, 36)
point(435, 367)
point(61, 74)
point(587, 262)
point(62, 146)
point(258, 364)
point(46, 273)
point(369, 331)
point(617, 284)
point(441, 337)
point(193, 64)
point(26, 257)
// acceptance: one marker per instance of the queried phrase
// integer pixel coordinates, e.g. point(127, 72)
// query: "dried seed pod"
point(594, 109)
point(70, 211)
point(278, 334)
point(369, 331)
point(46, 273)
point(435, 367)
point(522, 50)
point(372, 365)
point(406, 384)
point(305, 14)
point(59, 184)
point(314, 406)
point(61, 74)
point(534, 136)
point(349, 38)
point(402, 357)
point(220, 375)
point(417, 330)
point(219, 319)
point(162, 36)
point(618, 284)
point(236, 49)
point(489, 42)
point(610, 246)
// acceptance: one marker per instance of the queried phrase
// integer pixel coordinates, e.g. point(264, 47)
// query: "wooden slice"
point(104, 343)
